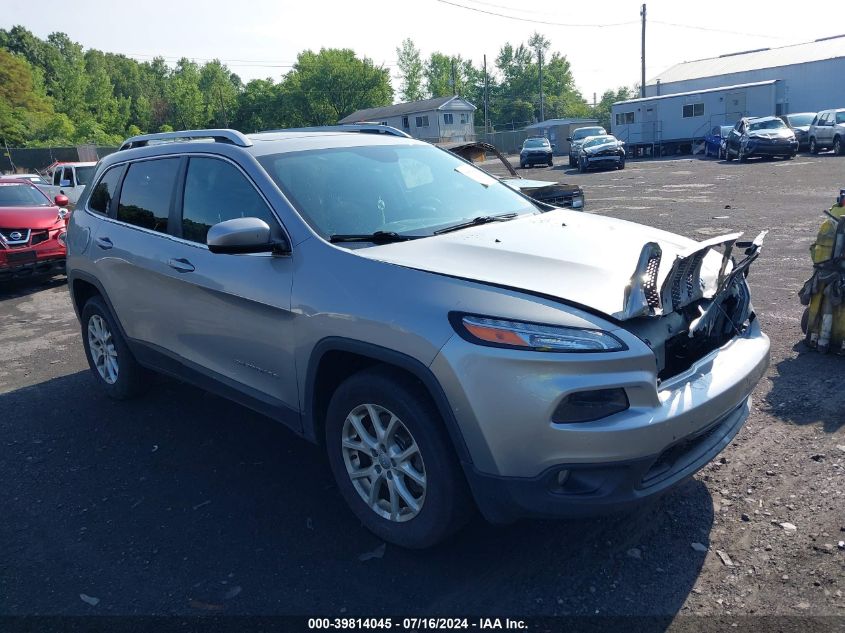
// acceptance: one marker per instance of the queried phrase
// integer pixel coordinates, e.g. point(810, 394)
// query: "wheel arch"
point(334, 359)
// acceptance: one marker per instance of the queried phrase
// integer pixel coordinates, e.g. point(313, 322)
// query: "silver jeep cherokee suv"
point(451, 343)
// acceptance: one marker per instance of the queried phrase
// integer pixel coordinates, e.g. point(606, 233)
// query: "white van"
point(68, 179)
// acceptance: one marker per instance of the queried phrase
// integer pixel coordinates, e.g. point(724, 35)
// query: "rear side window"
point(216, 191)
point(103, 192)
point(146, 193)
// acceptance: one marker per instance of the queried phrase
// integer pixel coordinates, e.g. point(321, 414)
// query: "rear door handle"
point(104, 243)
point(181, 265)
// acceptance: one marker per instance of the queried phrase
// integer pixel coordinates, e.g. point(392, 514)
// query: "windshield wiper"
point(379, 237)
point(482, 219)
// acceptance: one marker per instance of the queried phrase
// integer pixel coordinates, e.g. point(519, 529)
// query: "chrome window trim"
point(181, 240)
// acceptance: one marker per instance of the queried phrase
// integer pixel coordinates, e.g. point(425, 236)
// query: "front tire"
point(742, 156)
point(393, 461)
point(582, 166)
point(814, 149)
point(838, 149)
point(109, 357)
point(621, 164)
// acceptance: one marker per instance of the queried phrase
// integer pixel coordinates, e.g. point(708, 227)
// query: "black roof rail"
point(232, 137)
point(362, 128)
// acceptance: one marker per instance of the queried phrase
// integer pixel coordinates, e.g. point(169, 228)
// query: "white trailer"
point(678, 121)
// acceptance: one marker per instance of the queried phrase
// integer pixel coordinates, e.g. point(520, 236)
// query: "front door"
point(228, 314)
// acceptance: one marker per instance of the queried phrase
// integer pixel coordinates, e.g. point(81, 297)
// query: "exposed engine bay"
point(702, 304)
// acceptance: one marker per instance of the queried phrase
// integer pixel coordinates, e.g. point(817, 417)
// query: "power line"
point(712, 30)
point(546, 23)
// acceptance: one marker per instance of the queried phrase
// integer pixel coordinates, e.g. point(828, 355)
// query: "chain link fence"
point(26, 160)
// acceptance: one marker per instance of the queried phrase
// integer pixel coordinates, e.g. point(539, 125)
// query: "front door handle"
point(104, 243)
point(182, 265)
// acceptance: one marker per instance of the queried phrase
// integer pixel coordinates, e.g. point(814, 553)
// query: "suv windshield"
point(584, 132)
point(800, 119)
point(403, 189)
point(83, 175)
point(768, 124)
point(13, 194)
point(600, 140)
point(536, 142)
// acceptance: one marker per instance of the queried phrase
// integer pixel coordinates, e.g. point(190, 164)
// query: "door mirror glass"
point(243, 235)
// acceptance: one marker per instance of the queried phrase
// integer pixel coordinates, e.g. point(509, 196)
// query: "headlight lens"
point(534, 336)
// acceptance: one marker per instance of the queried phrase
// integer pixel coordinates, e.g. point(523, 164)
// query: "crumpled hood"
point(782, 133)
point(28, 217)
point(578, 257)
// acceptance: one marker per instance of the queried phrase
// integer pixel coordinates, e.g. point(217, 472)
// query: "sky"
point(261, 38)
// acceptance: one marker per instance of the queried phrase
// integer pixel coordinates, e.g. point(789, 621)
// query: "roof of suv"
point(295, 141)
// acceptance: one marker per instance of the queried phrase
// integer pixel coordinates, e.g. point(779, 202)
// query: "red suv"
point(32, 231)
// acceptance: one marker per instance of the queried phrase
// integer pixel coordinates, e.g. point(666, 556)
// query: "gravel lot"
point(184, 503)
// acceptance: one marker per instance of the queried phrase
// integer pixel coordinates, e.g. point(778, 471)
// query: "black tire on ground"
point(728, 155)
point(551, 163)
point(805, 320)
point(447, 504)
point(814, 149)
point(742, 157)
point(571, 162)
point(838, 148)
point(132, 379)
point(522, 165)
point(582, 166)
point(622, 164)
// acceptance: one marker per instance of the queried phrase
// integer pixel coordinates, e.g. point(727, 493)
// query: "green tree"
point(219, 89)
point(182, 89)
point(259, 107)
point(602, 109)
point(324, 87)
point(24, 110)
point(411, 69)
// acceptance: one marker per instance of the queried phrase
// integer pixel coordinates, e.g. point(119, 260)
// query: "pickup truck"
point(68, 179)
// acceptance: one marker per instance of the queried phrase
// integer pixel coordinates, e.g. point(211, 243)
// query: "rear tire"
point(112, 363)
point(433, 501)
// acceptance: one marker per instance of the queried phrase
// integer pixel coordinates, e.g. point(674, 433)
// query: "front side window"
point(14, 194)
point(406, 189)
point(146, 193)
point(216, 191)
point(103, 192)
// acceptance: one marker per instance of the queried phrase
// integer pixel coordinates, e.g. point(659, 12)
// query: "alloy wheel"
point(384, 462)
point(102, 349)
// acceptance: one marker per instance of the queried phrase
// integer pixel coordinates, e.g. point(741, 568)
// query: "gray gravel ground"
point(184, 503)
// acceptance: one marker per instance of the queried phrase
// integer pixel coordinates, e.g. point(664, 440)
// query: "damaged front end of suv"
point(703, 302)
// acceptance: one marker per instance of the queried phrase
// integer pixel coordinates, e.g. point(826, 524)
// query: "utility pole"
point(642, 79)
point(540, 64)
point(453, 82)
point(486, 116)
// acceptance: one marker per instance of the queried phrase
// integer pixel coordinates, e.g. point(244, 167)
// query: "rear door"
point(131, 248)
point(227, 315)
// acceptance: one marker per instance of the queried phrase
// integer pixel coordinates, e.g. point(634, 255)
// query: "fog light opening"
point(562, 477)
point(588, 406)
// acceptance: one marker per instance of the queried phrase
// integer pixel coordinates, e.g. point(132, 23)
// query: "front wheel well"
point(336, 365)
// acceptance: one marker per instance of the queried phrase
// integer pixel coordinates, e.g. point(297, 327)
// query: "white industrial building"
point(686, 101)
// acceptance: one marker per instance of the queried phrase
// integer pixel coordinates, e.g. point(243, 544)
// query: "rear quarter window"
point(104, 190)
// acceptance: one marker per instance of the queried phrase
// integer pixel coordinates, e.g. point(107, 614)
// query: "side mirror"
point(61, 201)
point(243, 235)
point(569, 139)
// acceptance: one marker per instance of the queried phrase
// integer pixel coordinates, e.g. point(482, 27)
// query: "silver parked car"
point(827, 131)
point(450, 344)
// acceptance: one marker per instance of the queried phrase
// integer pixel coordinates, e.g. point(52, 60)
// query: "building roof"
point(825, 48)
point(697, 92)
point(552, 122)
point(384, 112)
